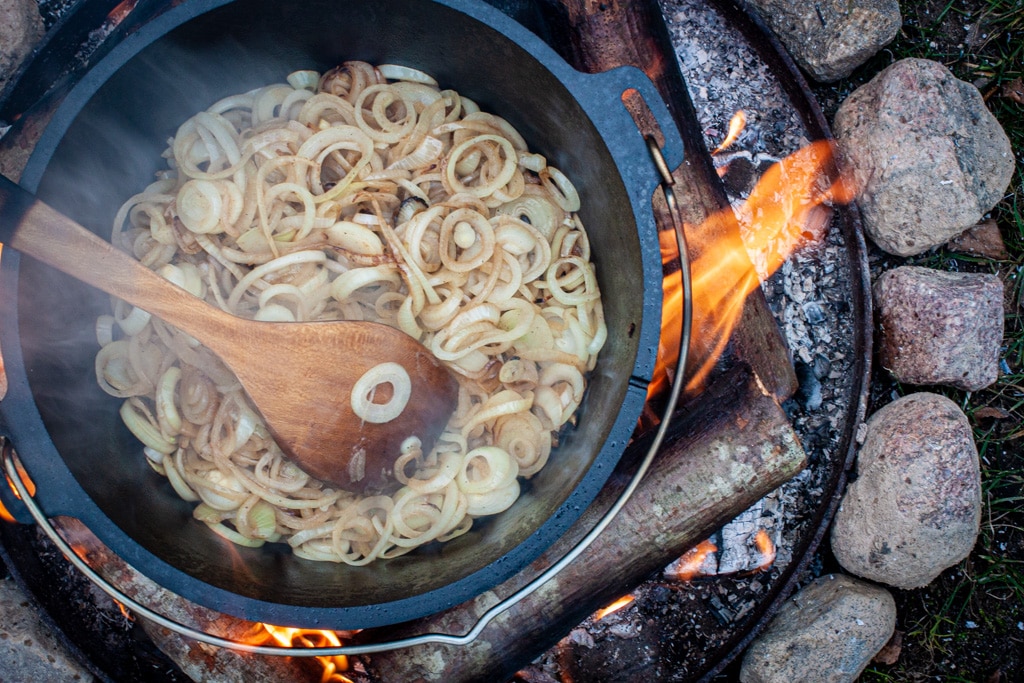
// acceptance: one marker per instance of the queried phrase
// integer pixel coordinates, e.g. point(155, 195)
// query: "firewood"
point(597, 36)
point(732, 447)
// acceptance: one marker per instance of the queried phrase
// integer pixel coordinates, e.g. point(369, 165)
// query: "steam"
point(109, 151)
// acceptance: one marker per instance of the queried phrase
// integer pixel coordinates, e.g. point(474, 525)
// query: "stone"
point(29, 650)
point(831, 38)
point(890, 652)
point(915, 507)
point(984, 240)
point(21, 29)
point(827, 632)
point(937, 327)
point(927, 157)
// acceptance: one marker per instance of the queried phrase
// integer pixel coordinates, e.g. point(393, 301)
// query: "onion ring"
point(362, 393)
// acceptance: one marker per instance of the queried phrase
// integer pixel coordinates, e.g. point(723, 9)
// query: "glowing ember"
point(689, 565)
point(287, 636)
point(732, 251)
point(736, 126)
point(766, 548)
point(121, 11)
point(612, 608)
point(29, 484)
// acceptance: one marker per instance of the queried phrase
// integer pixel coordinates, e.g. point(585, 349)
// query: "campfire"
point(740, 369)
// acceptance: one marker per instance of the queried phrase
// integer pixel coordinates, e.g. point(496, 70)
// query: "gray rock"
point(831, 38)
point(915, 507)
point(940, 328)
point(21, 29)
point(927, 156)
point(826, 633)
point(29, 650)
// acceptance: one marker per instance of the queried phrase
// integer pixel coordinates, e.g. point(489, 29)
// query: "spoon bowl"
point(339, 397)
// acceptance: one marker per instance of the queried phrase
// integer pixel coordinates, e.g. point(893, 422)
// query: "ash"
point(677, 631)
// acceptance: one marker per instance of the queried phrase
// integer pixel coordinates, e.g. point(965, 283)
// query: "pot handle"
point(12, 508)
point(603, 96)
point(637, 168)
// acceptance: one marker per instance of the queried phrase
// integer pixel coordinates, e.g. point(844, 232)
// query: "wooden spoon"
point(300, 376)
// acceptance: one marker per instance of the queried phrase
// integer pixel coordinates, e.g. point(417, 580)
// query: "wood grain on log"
point(731, 449)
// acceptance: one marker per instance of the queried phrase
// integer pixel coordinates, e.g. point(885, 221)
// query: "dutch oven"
point(104, 144)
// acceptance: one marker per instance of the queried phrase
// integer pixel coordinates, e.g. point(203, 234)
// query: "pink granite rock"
point(928, 157)
point(826, 633)
point(936, 327)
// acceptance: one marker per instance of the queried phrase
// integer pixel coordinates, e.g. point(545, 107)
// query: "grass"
point(966, 625)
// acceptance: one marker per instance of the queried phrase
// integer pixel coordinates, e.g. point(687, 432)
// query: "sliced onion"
point(304, 80)
point(131, 322)
point(144, 430)
point(235, 537)
point(561, 188)
point(492, 466)
point(426, 152)
point(178, 483)
point(398, 72)
point(166, 409)
point(200, 205)
point(493, 502)
point(275, 313)
point(362, 393)
point(105, 329)
point(356, 238)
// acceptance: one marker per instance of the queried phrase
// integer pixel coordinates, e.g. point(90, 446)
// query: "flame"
point(766, 548)
point(287, 636)
point(5, 515)
point(612, 608)
point(733, 250)
point(689, 564)
point(736, 125)
point(124, 611)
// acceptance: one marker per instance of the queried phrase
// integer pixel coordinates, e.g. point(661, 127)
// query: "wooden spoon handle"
point(33, 228)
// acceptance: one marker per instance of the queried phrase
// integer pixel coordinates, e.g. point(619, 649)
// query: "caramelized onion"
point(365, 194)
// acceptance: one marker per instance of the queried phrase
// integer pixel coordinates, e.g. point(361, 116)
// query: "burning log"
point(600, 36)
point(733, 447)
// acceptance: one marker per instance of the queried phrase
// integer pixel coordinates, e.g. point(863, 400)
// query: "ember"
point(689, 565)
point(736, 125)
point(766, 548)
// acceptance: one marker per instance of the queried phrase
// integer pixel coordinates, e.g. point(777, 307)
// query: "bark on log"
point(597, 35)
point(735, 446)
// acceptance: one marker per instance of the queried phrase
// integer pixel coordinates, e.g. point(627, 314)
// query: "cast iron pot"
point(104, 144)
